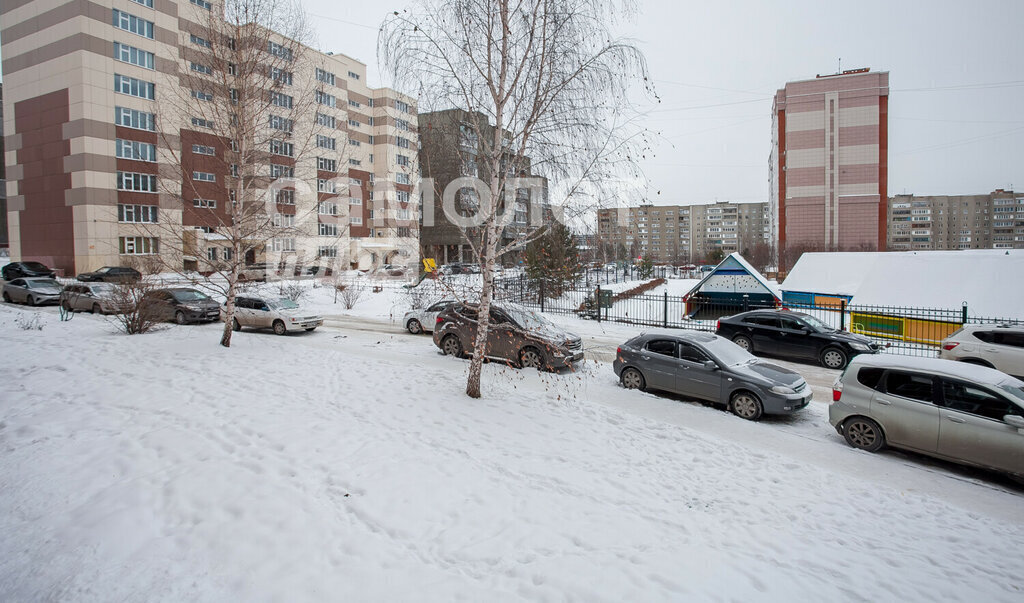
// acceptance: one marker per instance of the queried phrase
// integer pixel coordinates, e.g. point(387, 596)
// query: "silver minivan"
point(959, 412)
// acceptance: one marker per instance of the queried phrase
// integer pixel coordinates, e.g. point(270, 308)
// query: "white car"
point(996, 346)
point(282, 315)
point(423, 319)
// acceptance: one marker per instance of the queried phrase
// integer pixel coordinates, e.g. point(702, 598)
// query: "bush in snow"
point(137, 310)
point(29, 321)
point(349, 292)
point(293, 290)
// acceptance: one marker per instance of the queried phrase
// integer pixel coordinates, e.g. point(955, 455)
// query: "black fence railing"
point(906, 330)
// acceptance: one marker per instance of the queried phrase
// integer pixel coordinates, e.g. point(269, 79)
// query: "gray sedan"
point(98, 298)
point(708, 367)
point(32, 291)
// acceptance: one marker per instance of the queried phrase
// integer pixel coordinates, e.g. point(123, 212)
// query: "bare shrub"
point(136, 309)
point(292, 290)
point(30, 321)
point(350, 293)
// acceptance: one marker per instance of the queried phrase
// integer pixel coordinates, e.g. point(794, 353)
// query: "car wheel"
point(30, 300)
point(7, 298)
point(451, 346)
point(746, 406)
point(235, 325)
point(833, 358)
point(632, 379)
point(279, 327)
point(531, 358)
point(864, 434)
point(744, 342)
point(96, 309)
point(179, 317)
point(414, 327)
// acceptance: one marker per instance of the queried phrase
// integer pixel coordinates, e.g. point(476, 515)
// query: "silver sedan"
point(33, 291)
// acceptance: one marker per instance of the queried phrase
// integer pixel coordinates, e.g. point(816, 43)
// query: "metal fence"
point(905, 330)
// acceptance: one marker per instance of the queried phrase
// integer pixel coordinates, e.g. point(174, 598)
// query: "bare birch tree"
point(239, 157)
point(551, 80)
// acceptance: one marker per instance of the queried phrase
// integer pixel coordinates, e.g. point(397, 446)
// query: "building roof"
point(989, 281)
point(735, 264)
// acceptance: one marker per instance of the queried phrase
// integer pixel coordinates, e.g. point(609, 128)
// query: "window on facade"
point(401, 124)
point(282, 100)
point(204, 177)
point(200, 149)
point(211, 254)
point(325, 120)
point(202, 4)
point(403, 196)
point(328, 208)
point(280, 147)
point(403, 142)
point(402, 160)
point(201, 122)
point(402, 178)
point(200, 68)
point(325, 76)
point(139, 245)
point(326, 142)
point(324, 185)
point(354, 142)
point(142, 214)
point(284, 220)
point(357, 220)
point(279, 123)
point(134, 87)
point(133, 181)
point(402, 106)
point(205, 203)
point(353, 75)
point(328, 230)
point(354, 162)
point(130, 118)
point(355, 201)
point(285, 244)
point(279, 51)
point(134, 56)
point(203, 96)
point(327, 251)
point(326, 165)
point(199, 41)
point(281, 171)
point(284, 196)
point(133, 149)
point(135, 25)
point(280, 75)
point(146, 3)
point(325, 99)
point(354, 123)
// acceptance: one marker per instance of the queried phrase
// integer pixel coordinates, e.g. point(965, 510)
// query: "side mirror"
point(1015, 421)
point(710, 365)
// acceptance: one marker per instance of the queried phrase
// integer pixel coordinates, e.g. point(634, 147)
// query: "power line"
point(375, 28)
point(957, 143)
point(1007, 84)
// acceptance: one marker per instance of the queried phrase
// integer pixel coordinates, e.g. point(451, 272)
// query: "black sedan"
point(182, 305)
point(111, 274)
point(26, 270)
point(794, 335)
point(708, 367)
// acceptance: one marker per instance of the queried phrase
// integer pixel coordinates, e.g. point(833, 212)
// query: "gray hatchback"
point(708, 367)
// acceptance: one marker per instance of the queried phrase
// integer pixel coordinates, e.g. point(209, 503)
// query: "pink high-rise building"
point(828, 168)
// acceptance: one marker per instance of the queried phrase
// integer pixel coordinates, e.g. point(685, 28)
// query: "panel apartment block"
point(991, 221)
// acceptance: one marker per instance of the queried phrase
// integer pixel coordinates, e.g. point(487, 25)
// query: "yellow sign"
point(429, 265)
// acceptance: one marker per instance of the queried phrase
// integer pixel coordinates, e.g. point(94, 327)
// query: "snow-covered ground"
point(347, 464)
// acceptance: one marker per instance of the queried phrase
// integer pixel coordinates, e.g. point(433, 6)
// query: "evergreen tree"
point(553, 259)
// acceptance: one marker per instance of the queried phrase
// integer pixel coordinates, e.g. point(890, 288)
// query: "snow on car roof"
point(972, 372)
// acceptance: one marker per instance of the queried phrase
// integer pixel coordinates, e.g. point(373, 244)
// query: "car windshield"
point(1014, 388)
point(816, 324)
point(44, 284)
point(728, 353)
point(103, 270)
point(189, 295)
point(282, 304)
point(530, 320)
point(102, 289)
point(34, 266)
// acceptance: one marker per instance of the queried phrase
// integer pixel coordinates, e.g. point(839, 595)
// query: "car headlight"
point(860, 347)
point(782, 389)
point(193, 308)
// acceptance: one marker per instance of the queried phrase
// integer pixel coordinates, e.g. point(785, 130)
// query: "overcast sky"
point(956, 104)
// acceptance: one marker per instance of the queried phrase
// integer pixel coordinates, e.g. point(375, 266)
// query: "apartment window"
point(140, 214)
point(353, 103)
point(327, 251)
point(146, 3)
point(402, 178)
point(284, 220)
point(403, 196)
point(356, 220)
point(204, 176)
point(403, 142)
point(203, 96)
point(130, 118)
point(201, 122)
point(139, 245)
point(401, 106)
point(402, 214)
point(401, 124)
point(286, 244)
point(211, 254)
point(234, 170)
point(202, 4)
point(133, 55)
point(232, 69)
point(134, 87)
point(325, 186)
point(133, 181)
point(281, 171)
point(200, 41)
point(354, 142)
point(355, 181)
point(205, 203)
point(279, 123)
point(135, 25)
point(281, 100)
point(325, 120)
point(328, 230)
point(370, 121)
point(355, 201)
point(326, 99)
point(200, 149)
point(328, 208)
point(325, 76)
point(327, 165)
point(200, 68)
point(284, 196)
point(280, 147)
point(132, 149)
point(354, 123)
point(353, 75)
point(279, 51)
point(280, 75)
point(354, 162)
point(402, 160)
point(228, 253)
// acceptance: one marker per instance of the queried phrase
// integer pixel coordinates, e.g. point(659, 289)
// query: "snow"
point(348, 464)
point(990, 281)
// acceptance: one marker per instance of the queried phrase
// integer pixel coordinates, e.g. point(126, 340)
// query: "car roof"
point(1002, 327)
point(951, 368)
point(688, 336)
point(38, 278)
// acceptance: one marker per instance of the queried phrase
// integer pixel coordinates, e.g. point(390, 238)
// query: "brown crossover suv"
point(516, 335)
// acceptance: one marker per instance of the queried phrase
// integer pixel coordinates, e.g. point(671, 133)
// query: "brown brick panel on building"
point(214, 191)
point(47, 222)
point(363, 210)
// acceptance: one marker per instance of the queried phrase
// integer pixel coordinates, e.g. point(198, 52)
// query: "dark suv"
point(516, 335)
point(794, 335)
point(183, 305)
